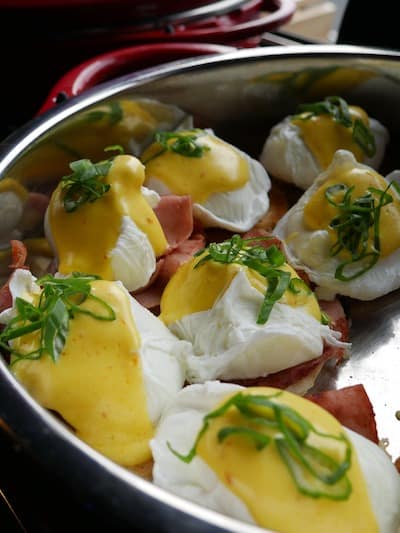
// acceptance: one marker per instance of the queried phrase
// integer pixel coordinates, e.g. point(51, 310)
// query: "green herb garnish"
point(325, 319)
point(114, 114)
point(85, 184)
point(339, 111)
point(182, 143)
point(353, 225)
point(59, 301)
point(265, 261)
point(267, 422)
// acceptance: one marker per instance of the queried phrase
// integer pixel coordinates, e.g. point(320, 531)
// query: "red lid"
point(109, 65)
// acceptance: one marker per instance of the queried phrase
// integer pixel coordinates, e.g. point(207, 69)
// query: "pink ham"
point(176, 218)
point(352, 407)
point(150, 296)
point(18, 258)
point(5, 297)
point(38, 202)
point(182, 253)
point(335, 311)
point(266, 241)
point(19, 254)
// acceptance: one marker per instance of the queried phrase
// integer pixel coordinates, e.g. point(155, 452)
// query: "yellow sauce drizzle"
point(191, 290)
point(220, 169)
point(261, 480)
point(97, 384)
point(85, 237)
point(318, 213)
point(323, 136)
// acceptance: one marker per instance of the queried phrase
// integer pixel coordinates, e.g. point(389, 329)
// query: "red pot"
point(118, 62)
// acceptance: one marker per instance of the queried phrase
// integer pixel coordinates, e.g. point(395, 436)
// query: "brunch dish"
point(187, 311)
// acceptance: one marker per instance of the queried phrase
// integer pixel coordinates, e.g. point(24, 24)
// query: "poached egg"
point(117, 236)
point(216, 307)
point(238, 467)
point(301, 146)
point(342, 251)
point(229, 189)
point(112, 378)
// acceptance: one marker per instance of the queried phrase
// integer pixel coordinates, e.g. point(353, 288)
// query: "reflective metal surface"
point(240, 95)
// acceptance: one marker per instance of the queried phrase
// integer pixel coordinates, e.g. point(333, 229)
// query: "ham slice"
point(182, 253)
point(175, 215)
point(38, 202)
point(267, 240)
point(19, 254)
point(338, 319)
point(150, 297)
point(5, 297)
point(352, 407)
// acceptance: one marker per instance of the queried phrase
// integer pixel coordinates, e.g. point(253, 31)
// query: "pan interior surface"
point(240, 97)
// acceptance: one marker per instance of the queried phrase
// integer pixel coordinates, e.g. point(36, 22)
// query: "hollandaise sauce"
point(85, 237)
point(359, 209)
point(207, 277)
point(324, 135)
point(218, 168)
point(96, 385)
point(250, 447)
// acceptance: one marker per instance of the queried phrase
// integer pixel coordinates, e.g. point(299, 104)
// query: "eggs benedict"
point(229, 189)
point(301, 146)
point(273, 459)
point(245, 311)
point(84, 348)
point(100, 220)
point(344, 232)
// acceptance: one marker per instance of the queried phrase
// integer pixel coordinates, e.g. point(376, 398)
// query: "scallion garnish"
point(180, 142)
point(325, 319)
point(59, 301)
point(267, 422)
point(356, 218)
point(265, 261)
point(85, 184)
point(114, 114)
point(339, 111)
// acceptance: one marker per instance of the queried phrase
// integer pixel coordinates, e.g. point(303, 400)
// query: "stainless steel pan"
point(240, 95)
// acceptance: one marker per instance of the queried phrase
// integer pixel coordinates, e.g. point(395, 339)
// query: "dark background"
point(36, 50)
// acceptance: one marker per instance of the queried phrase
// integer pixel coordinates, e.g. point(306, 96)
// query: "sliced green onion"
point(265, 261)
point(59, 302)
point(338, 109)
point(266, 421)
point(355, 219)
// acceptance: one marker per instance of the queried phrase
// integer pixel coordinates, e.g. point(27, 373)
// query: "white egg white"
point(229, 344)
point(160, 351)
point(236, 210)
point(286, 156)
point(197, 482)
point(132, 259)
point(309, 250)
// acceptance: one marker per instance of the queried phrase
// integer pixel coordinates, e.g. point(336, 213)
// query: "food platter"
point(250, 91)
